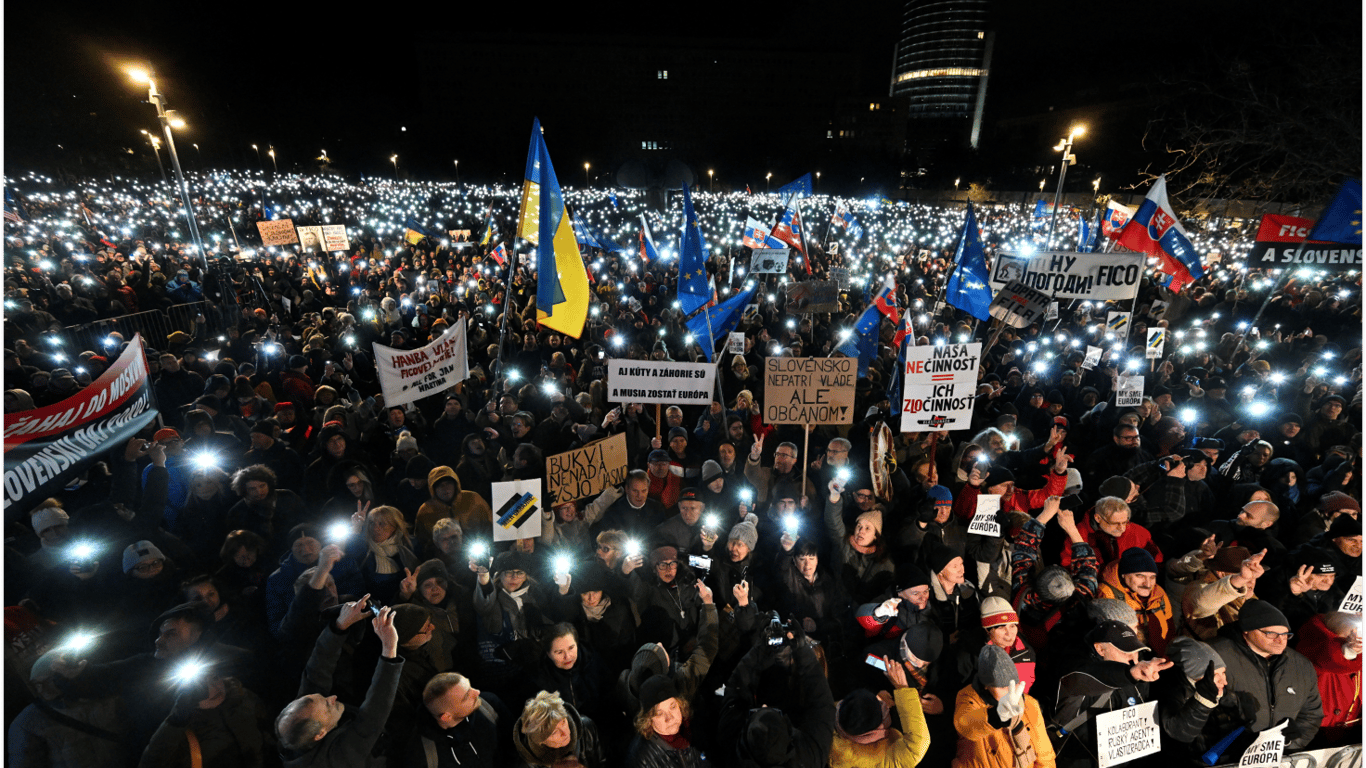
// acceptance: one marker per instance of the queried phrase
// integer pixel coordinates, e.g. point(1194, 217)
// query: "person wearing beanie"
point(1051, 602)
point(998, 725)
point(903, 605)
point(1331, 506)
point(267, 448)
point(1303, 587)
point(674, 605)
point(1342, 542)
point(663, 728)
point(666, 478)
point(1110, 530)
point(296, 386)
point(794, 731)
point(507, 596)
point(1000, 481)
point(1002, 626)
point(1117, 456)
point(1188, 695)
point(1133, 579)
point(451, 610)
point(1260, 661)
point(953, 599)
point(1332, 643)
point(864, 734)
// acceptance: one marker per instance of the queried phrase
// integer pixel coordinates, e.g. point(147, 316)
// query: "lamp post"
point(586, 182)
point(258, 157)
point(275, 168)
point(199, 157)
point(1065, 147)
point(457, 173)
point(818, 181)
point(768, 182)
point(711, 180)
point(955, 183)
point(156, 150)
point(169, 119)
point(394, 159)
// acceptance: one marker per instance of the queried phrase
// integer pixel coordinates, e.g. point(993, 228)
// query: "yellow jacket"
point(467, 507)
point(901, 749)
point(982, 746)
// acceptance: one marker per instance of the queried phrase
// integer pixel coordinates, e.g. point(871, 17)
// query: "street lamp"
point(457, 173)
point(1041, 183)
point(711, 180)
point(156, 150)
point(768, 182)
point(1065, 147)
point(258, 156)
point(586, 183)
point(274, 167)
point(394, 159)
point(168, 119)
point(955, 183)
point(818, 181)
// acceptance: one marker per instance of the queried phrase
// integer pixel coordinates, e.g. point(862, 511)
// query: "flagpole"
point(711, 336)
point(507, 304)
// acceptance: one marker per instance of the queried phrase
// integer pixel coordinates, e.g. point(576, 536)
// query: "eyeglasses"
point(863, 494)
point(792, 456)
point(667, 565)
point(836, 450)
point(514, 574)
point(1275, 635)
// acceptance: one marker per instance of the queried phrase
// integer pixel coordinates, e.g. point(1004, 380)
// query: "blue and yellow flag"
point(562, 281)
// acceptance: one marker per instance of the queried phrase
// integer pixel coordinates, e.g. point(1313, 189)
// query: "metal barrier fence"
point(154, 325)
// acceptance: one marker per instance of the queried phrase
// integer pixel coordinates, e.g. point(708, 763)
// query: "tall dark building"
point(940, 67)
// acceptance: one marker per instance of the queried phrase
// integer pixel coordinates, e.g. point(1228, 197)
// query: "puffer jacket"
point(1283, 686)
point(1339, 679)
point(985, 742)
point(467, 507)
point(583, 740)
point(1156, 625)
point(900, 749)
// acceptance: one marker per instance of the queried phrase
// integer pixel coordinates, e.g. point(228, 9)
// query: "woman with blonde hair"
point(388, 557)
point(551, 732)
point(663, 729)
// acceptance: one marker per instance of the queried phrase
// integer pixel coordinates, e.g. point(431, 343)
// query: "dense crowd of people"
point(287, 570)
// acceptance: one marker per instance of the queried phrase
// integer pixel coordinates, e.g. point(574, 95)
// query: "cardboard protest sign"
point(1092, 356)
point(984, 519)
point(809, 390)
point(1351, 603)
point(406, 375)
point(735, 344)
point(516, 510)
point(813, 296)
point(279, 232)
point(1129, 391)
point(47, 448)
point(1157, 339)
point(1279, 237)
point(939, 386)
point(1017, 305)
point(1127, 734)
point(655, 381)
point(769, 261)
point(1067, 275)
point(585, 471)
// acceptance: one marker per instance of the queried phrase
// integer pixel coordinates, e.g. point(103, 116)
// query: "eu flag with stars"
point(862, 343)
point(723, 318)
point(1341, 220)
point(968, 289)
point(692, 267)
point(800, 187)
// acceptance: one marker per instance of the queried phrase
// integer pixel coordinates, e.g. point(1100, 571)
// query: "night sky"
point(304, 80)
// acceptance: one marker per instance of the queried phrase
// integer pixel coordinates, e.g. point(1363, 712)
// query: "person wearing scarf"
point(388, 555)
point(663, 729)
point(998, 725)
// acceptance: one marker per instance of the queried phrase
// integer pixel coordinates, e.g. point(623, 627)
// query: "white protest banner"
point(1157, 339)
point(1066, 275)
point(654, 381)
point(585, 471)
point(334, 238)
point(841, 277)
point(1129, 391)
point(516, 510)
point(1052, 313)
point(768, 261)
point(1017, 305)
point(938, 386)
point(1092, 356)
point(736, 343)
point(809, 390)
point(1266, 749)
point(1352, 602)
point(984, 520)
point(406, 375)
point(1127, 734)
point(1117, 321)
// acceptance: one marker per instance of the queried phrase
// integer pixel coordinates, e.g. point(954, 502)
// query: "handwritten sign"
point(406, 375)
point(516, 510)
point(1352, 602)
point(1157, 339)
point(939, 387)
point(279, 232)
point(1129, 391)
point(1127, 734)
point(653, 381)
point(1018, 305)
point(984, 520)
point(585, 471)
point(809, 390)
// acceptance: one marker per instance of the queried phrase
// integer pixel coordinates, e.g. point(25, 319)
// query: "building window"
point(981, 35)
point(662, 74)
point(874, 107)
point(828, 135)
point(941, 72)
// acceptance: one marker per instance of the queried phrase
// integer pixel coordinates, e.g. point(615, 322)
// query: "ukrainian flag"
point(562, 281)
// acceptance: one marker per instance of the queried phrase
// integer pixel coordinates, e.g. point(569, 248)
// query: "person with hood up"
point(1133, 579)
point(777, 730)
point(551, 732)
point(450, 499)
point(998, 725)
point(1272, 681)
point(1332, 643)
point(452, 612)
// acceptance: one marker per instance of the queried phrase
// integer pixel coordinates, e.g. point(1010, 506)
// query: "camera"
point(775, 634)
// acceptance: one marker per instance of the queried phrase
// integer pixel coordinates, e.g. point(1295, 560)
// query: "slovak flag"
point(756, 234)
point(842, 218)
point(789, 229)
point(648, 252)
point(1116, 216)
point(885, 301)
point(905, 329)
point(1155, 231)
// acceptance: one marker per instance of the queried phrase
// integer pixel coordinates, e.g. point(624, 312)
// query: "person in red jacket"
point(1109, 530)
point(1332, 642)
point(1000, 481)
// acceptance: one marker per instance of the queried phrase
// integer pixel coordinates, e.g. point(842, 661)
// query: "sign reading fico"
point(939, 386)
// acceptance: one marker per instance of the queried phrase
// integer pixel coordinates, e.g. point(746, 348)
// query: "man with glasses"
point(1125, 453)
point(1272, 682)
point(784, 469)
